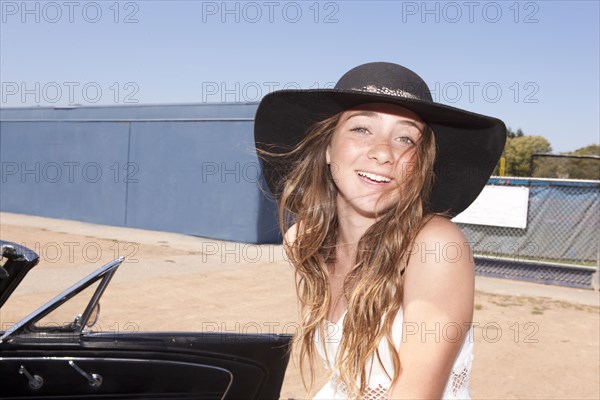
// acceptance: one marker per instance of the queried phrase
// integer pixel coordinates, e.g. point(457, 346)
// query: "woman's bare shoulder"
point(440, 229)
point(289, 241)
point(441, 265)
point(290, 235)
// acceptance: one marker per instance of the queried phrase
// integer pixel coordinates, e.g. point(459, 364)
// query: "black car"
point(73, 361)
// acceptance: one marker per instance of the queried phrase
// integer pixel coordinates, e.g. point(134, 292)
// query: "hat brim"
point(468, 145)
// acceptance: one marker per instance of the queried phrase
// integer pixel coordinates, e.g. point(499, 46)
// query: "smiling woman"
point(358, 170)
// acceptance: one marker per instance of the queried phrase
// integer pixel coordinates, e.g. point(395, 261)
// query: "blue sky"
point(534, 64)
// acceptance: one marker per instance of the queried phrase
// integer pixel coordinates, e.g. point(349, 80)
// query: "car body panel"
point(73, 362)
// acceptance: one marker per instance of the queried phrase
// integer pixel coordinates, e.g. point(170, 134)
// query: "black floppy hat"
point(468, 145)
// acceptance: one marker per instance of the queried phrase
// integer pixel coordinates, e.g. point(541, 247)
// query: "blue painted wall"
point(182, 168)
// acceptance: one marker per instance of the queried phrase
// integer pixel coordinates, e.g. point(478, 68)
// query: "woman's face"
point(370, 153)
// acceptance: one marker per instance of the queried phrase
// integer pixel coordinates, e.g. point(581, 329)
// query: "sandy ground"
point(531, 341)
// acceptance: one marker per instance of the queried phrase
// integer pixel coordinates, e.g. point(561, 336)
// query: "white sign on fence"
point(498, 206)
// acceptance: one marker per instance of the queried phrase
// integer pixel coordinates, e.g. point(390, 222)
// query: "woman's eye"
point(360, 129)
point(405, 140)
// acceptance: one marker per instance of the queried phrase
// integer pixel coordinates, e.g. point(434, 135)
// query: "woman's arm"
point(438, 309)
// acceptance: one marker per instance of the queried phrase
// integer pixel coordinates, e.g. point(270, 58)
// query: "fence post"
point(596, 275)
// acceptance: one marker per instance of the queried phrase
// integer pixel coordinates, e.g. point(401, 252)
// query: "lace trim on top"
point(379, 392)
point(458, 381)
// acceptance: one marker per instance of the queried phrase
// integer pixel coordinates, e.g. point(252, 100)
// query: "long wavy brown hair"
point(374, 287)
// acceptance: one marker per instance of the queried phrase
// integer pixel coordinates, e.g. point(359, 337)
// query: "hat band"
point(388, 91)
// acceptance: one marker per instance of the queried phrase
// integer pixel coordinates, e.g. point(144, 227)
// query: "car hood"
point(15, 262)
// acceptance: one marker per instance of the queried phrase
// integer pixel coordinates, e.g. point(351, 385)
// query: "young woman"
point(368, 174)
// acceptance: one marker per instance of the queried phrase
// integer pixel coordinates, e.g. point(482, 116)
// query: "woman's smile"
point(373, 178)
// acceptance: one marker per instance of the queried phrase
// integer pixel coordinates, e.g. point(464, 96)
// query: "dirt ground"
point(531, 341)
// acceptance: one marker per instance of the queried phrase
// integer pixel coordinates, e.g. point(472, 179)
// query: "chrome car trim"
point(113, 359)
point(105, 272)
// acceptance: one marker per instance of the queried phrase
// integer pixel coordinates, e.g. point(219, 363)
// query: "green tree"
point(570, 168)
point(590, 150)
point(550, 167)
point(512, 134)
point(518, 151)
point(581, 168)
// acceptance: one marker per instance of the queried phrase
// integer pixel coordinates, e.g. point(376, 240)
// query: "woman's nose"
point(381, 152)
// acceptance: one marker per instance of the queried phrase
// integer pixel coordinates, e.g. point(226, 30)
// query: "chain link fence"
point(559, 245)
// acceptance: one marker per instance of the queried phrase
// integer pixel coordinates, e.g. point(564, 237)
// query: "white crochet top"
point(457, 386)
